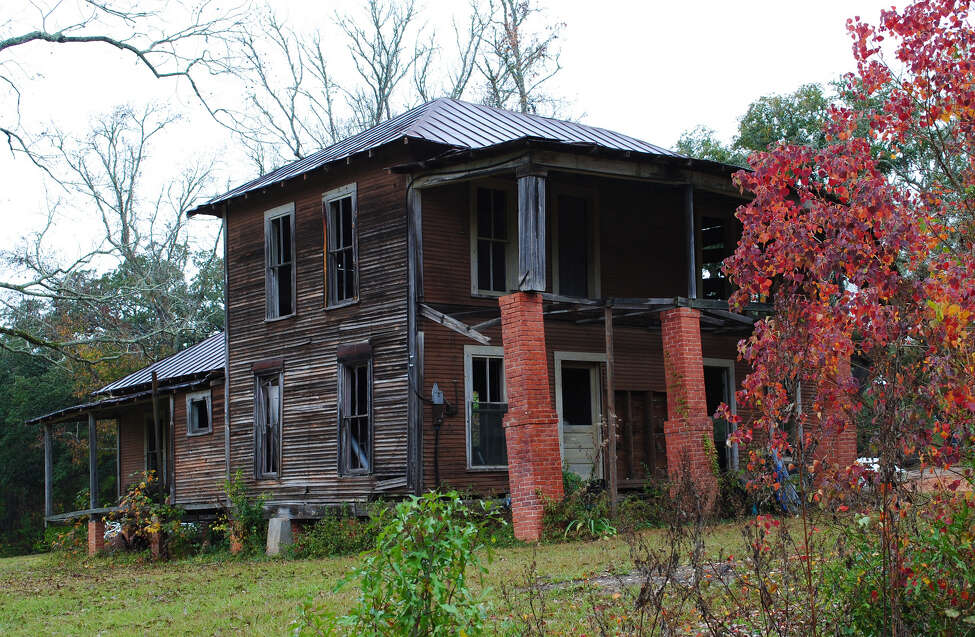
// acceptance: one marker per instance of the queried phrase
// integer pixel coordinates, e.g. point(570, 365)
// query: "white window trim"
point(348, 190)
point(206, 395)
point(511, 257)
point(470, 352)
point(595, 270)
point(576, 357)
point(284, 210)
point(728, 364)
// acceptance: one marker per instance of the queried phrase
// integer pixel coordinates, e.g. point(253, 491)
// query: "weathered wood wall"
point(132, 450)
point(307, 341)
point(199, 468)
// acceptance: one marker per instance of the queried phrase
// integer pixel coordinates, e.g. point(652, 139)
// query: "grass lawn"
point(49, 594)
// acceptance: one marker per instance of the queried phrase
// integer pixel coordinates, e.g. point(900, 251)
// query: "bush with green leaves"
point(415, 580)
point(339, 532)
point(583, 513)
point(243, 521)
point(143, 513)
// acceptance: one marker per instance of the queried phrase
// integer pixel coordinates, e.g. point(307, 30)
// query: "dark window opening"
point(487, 408)
point(279, 237)
point(577, 396)
point(355, 417)
point(492, 240)
point(341, 266)
point(267, 452)
point(716, 246)
point(573, 246)
point(198, 413)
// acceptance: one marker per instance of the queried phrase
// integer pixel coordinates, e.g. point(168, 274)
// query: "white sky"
point(650, 69)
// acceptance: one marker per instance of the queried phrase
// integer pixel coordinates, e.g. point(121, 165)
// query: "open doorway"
point(719, 387)
point(577, 400)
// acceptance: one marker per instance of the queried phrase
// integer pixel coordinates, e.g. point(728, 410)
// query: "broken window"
point(491, 244)
point(267, 426)
point(341, 271)
point(198, 413)
point(279, 255)
point(486, 408)
point(355, 416)
point(716, 246)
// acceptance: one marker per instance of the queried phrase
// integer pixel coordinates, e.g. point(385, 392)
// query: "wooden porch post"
point(92, 463)
point(48, 472)
point(531, 231)
point(610, 408)
point(157, 427)
point(690, 230)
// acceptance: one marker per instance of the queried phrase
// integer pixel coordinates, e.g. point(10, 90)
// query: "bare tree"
point(129, 296)
point(519, 61)
point(137, 29)
point(456, 68)
point(378, 48)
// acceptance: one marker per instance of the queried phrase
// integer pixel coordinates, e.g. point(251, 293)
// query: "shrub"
point(144, 513)
point(582, 514)
point(414, 582)
point(243, 521)
point(72, 540)
point(337, 533)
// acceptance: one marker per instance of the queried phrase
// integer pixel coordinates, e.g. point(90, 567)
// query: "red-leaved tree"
point(876, 266)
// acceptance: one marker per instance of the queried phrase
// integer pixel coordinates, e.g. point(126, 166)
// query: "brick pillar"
point(96, 536)
point(688, 423)
point(531, 426)
point(837, 442)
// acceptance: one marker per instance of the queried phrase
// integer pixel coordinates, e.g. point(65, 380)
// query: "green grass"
point(51, 594)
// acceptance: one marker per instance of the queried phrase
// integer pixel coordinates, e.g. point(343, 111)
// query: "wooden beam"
point(48, 471)
point(92, 462)
point(531, 233)
point(414, 340)
point(472, 170)
point(611, 409)
point(453, 324)
point(226, 343)
point(690, 232)
point(157, 428)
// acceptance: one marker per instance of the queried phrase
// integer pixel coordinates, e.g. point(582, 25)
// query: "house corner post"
point(688, 430)
point(531, 426)
point(48, 472)
point(96, 526)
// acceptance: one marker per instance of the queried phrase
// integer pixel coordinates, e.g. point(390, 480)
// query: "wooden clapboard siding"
point(642, 255)
point(199, 469)
point(307, 342)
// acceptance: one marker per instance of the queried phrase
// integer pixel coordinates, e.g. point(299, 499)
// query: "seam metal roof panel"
point(205, 356)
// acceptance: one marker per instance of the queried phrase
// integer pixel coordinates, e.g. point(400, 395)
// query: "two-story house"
point(462, 295)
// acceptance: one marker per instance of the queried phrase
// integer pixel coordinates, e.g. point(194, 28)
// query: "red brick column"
point(837, 442)
point(688, 424)
point(96, 536)
point(531, 426)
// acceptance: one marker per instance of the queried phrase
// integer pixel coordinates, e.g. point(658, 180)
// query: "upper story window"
point(198, 413)
point(486, 406)
point(355, 411)
point(492, 247)
point(279, 254)
point(267, 425)
point(342, 255)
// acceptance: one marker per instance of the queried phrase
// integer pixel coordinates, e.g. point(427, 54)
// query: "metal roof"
point(457, 125)
point(206, 356)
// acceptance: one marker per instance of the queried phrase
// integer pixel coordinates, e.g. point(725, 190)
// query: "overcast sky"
point(650, 69)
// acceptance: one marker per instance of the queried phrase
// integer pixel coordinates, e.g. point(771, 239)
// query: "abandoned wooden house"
point(460, 296)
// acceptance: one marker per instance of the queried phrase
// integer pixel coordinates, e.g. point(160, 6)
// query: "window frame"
point(259, 474)
point(728, 364)
point(594, 273)
point(336, 194)
point(285, 210)
point(343, 365)
point(511, 252)
point(197, 395)
point(470, 353)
